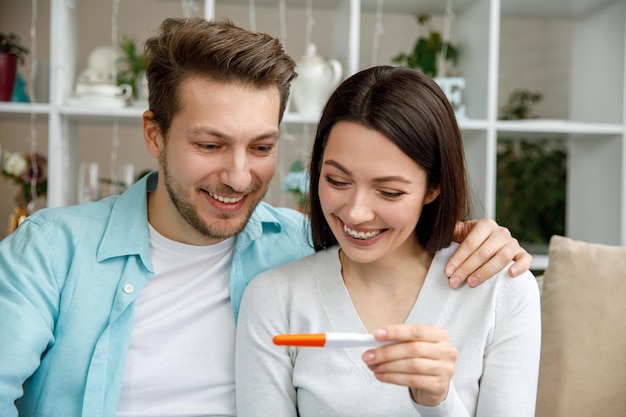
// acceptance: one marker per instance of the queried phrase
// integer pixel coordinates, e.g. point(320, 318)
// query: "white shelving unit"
point(595, 128)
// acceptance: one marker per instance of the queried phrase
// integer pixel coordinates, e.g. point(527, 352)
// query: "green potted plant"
point(430, 54)
point(12, 52)
point(133, 67)
point(531, 179)
point(296, 182)
point(428, 50)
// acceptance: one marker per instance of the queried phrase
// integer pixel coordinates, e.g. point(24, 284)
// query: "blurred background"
point(519, 104)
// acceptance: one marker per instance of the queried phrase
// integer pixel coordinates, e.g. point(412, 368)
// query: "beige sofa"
point(583, 353)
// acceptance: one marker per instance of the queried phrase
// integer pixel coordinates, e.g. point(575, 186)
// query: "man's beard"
point(189, 212)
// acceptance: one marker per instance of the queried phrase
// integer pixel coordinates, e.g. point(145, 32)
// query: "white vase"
point(315, 82)
point(453, 88)
point(142, 87)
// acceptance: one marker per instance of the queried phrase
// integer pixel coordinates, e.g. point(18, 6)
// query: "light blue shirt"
point(68, 281)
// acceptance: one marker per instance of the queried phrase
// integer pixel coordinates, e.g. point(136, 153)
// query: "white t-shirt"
point(181, 355)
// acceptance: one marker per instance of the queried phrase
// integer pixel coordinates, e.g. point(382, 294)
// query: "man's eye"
point(264, 148)
point(207, 146)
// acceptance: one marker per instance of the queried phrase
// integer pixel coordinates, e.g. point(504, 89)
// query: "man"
point(127, 306)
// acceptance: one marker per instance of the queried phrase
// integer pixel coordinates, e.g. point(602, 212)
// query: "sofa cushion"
point(583, 354)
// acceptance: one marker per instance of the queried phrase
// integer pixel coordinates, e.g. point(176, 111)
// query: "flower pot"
point(16, 218)
point(8, 74)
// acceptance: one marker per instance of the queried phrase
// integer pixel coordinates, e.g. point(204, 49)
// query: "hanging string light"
point(379, 30)
point(310, 22)
point(33, 50)
point(114, 17)
point(189, 7)
point(115, 145)
point(33, 114)
point(252, 15)
point(282, 22)
point(447, 28)
point(115, 140)
point(284, 131)
point(281, 164)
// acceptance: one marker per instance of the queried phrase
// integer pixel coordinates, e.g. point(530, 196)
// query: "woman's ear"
point(152, 135)
point(432, 195)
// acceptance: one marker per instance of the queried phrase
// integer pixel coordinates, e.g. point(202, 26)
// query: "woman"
point(388, 184)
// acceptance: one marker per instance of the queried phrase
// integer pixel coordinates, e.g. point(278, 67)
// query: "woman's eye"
point(391, 194)
point(335, 183)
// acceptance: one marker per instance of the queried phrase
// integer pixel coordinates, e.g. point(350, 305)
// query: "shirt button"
point(128, 289)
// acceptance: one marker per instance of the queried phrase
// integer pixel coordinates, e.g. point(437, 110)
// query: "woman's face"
point(371, 193)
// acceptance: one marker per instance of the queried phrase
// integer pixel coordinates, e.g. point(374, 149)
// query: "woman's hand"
point(421, 358)
point(485, 248)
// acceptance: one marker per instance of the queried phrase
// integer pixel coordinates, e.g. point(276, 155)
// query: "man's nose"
point(236, 171)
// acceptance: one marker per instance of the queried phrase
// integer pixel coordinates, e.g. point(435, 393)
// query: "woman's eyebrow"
point(388, 178)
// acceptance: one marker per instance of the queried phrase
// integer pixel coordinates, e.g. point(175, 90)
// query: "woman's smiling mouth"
point(360, 235)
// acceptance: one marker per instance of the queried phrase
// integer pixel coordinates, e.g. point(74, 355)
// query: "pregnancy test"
point(329, 340)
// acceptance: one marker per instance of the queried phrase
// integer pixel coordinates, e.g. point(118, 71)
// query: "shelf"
point(551, 9)
point(290, 3)
point(290, 117)
point(9, 109)
point(88, 114)
point(414, 7)
point(473, 124)
point(133, 114)
point(297, 118)
point(543, 9)
point(559, 126)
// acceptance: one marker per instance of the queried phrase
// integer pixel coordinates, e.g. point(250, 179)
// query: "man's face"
point(217, 161)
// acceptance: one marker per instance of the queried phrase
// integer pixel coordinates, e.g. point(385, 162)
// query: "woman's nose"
point(359, 208)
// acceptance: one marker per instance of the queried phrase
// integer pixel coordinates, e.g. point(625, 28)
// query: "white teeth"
point(360, 235)
point(227, 200)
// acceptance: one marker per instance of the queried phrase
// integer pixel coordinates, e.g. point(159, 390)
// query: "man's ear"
point(432, 195)
point(152, 135)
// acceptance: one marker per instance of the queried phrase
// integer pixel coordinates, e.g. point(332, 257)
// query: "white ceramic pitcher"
point(315, 82)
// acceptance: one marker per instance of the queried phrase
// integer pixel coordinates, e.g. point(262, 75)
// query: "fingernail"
point(380, 333)
point(450, 270)
point(473, 280)
point(455, 281)
point(514, 271)
point(368, 357)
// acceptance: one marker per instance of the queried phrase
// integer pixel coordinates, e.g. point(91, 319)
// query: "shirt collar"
point(127, 230)
point(262, 220)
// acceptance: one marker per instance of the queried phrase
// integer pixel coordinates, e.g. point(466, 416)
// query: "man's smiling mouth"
point(226, 200)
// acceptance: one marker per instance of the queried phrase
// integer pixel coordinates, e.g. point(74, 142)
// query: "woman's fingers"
point(422, 359)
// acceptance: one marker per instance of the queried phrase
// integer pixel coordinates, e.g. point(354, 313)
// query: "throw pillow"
point(583, 355)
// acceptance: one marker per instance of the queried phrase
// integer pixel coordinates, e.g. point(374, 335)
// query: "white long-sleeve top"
point(496, 328)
